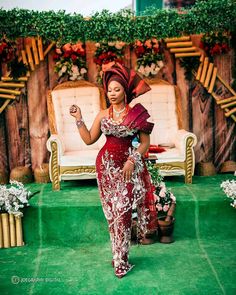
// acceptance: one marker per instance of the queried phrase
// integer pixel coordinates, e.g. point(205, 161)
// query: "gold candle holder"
point(1, 233)
point(5, 230)
point(19, 234)
point(12, 230)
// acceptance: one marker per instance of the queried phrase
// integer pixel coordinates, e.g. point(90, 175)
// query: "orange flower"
point(67, 47)
point(77, 46)
point(154, 40)
point(138, 43)
point(107, 66)
point(148, 43)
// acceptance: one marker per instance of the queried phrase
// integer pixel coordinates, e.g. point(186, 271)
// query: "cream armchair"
point(70, 157)
point(163, 103)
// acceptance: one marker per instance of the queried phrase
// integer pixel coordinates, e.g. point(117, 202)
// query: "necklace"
point(117, 113)
point(117, 122)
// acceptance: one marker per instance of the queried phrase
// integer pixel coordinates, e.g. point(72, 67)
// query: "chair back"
point(163, 105)
point(88, 97)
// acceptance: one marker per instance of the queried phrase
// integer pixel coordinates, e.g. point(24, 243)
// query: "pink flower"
point(162, 193)
point(165, 208)
point(58, 51)
point(159, 207)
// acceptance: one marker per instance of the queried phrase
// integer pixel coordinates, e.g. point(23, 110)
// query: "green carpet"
point(67, 248)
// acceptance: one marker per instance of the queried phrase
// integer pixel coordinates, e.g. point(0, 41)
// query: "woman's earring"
point(125, 98)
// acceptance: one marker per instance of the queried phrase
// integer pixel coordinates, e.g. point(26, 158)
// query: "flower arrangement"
point(149, 57)
point(8, 55)
point(7, 50)
point(107, 54)
point(163, 195)
point(215, 43)
point(229, 188)
point(70, 61)
point(14, 198)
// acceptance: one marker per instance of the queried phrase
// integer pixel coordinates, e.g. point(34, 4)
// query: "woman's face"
point(116, 93)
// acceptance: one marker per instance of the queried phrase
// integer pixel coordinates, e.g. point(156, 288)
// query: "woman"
point(123, 179)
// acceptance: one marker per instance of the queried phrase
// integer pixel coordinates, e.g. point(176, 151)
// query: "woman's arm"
point(144, 143)
point(143, 147)
point(88, 136)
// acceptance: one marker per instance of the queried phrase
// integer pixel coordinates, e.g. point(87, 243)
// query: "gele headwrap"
point(133, 84)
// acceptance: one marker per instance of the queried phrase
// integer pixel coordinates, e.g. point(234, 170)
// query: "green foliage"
point(204, 16)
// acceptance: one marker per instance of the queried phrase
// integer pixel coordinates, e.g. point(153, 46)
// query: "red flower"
point(73, 57)
point(66, 54)
point(225, 47)
point(201, 45)
point(216, 49)
point(56, 56)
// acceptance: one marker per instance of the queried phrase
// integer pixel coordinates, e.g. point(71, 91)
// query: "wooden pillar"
point(3, 145)
point(92, 68)
point(203, 124)
point(38, 117)
point(17, 124)
point(225, 128)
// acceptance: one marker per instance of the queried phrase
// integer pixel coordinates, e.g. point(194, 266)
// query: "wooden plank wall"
point(24, 124)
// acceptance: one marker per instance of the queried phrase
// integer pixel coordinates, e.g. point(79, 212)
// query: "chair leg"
point(55, 167)
point(189, 160)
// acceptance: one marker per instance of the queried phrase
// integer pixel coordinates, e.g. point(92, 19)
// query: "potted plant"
point(165, 204)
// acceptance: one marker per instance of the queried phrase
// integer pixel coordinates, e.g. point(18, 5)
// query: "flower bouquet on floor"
point(165, 205)
point(229, 188)
point(70, 61)
point(12, 201)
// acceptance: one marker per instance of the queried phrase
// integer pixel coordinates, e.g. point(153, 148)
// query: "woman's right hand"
point(75, 112)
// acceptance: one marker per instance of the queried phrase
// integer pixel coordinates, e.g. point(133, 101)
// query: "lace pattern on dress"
point(108, 127)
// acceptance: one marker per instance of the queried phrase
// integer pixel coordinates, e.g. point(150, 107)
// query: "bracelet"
point(79, 123)
point(135, 157)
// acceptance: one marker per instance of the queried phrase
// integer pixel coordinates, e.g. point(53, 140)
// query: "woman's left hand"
point(128, 169)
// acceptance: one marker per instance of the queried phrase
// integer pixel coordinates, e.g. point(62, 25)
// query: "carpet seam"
point(39, 254)
point(196, 214)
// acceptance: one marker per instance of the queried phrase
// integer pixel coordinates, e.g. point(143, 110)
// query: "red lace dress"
point(117, 196)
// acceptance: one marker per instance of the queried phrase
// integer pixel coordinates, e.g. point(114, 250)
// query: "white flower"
point(160, 64)
point(147, 71)
point(75, 69)
point(155, 70)
point(83, 71)
point(73, 77)
point(229, 188)
point(141, 69)
point(153, 66)
point(118, 45)
point(97, 44)
point(14, 198)
point(111, 43)
point(63, 69)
